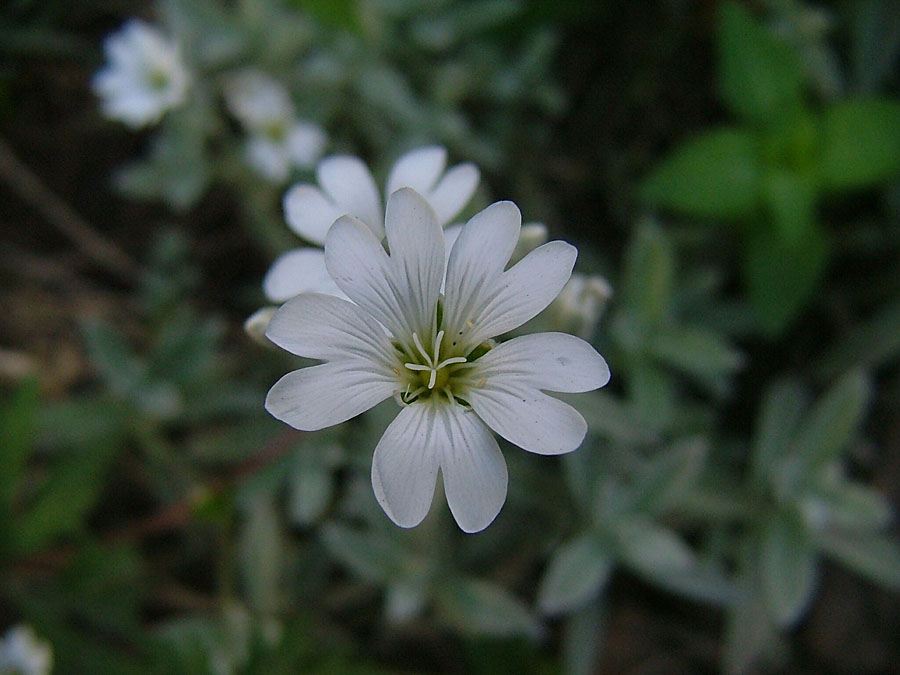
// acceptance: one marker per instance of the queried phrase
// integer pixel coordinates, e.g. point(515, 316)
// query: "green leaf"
point(856, 508)
point(370, 556)
point(335, 13)
point(577, 572)
point(759, 76)
point(584, 633)
point(790, 200)
point(310, 492)
point(697, 352)
point(749, 630)
point(779, 417)
point(112, 354)
point(833, 422)
point(17, 436)
point(876, 41)
point(653, 396)
point(65, 498)
point(788, 568)
point(669, 476)
point(649, 273)
point(860, 143)
point(869, 344)
point(478, 607)
point(608, 416)
point(781, 277)
point(873, 556)
point(261, 555)
point(651, 549)
point(715, 175)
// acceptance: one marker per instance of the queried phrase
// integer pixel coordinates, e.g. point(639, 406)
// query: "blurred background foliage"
point(732, 169)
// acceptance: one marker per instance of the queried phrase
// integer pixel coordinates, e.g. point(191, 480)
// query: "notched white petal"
point(346, 179)
point(528, 417)
point(418, 169)
point(298, 271)
point(405, 465)
point(309, 213)
point(321, 396)
point(473, 468)
point(551, 361)
point(324, 327)
point(454, 191)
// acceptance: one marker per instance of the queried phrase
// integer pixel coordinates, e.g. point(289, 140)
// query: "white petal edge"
point(299, 270)
point(552, 361)
point(454, 191)
point(360, 267)
point(476, 261)
point(324, 327)
point(347, 180)
point(321, 396)
point(309, 213)
point(473, 468)
point(528, 417)
point(416, 242)
point(405, 465)
point(524, 290)
point(418, 169)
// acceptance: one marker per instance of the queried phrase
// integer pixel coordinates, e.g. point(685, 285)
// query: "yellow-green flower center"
point(426, 373)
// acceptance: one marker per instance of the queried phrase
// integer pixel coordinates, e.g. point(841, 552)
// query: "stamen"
point(421, 349)
point(450, 361)
point(417, 366)
point(437, 346)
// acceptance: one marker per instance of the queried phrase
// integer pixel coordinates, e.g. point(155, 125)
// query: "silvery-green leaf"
point(478, 607)
point(856, 507)
point(576, 573)
point(782, 408)
point(310, 493)
point(876, 557)
point(649, 274)
point(371, 556)
point(833, 421)
point(653, 396)
point(788, 567)
point(868, 344)
point(651, 549)
point(669, 476)
point(694, 351)
point(749, 630)
point(608, 416)
point(584, 633)
point(404, 599)
point(260, 548)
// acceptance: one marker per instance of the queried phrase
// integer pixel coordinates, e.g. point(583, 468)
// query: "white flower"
point(346, 187)
point(277, 141)
point(22, 653)
point(433, 353)
point(145, 75)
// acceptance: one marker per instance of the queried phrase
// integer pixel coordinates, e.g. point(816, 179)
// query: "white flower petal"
point(528, 417)
point(476, 262)
point(418, 169)
point(416, 242)
point(300, 270)
point(454, 191)
point(346, 179)
point(405, 464)
point(305, 144)
point(360, 267)
point(551, 361)
point(321, 396)
point(473, 469)
point(524, 290)
point(309, 213)
point(325, 327)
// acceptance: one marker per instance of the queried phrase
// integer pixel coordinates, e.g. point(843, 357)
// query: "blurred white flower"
point(277, 141)
point(434, 354)
point(346, 187)
point(23, 654)
point(580, 305)
point(144, 76)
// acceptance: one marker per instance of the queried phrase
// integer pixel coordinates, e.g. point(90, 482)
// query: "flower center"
point(433, 369)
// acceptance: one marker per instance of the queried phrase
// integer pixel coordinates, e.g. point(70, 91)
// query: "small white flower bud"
point(531, 236)
point(256, 324)
point(580, 305)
